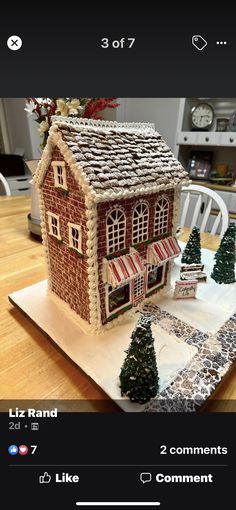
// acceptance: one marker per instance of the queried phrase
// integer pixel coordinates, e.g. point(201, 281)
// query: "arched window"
point(161, 217)
point(140, 223)
point(115, 230)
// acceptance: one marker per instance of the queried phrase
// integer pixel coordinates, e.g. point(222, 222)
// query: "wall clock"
point(232, 122)
point(202, 116)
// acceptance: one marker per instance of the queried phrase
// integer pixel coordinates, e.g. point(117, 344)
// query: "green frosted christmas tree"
point(224, 268)
point(139, 375)
point(192, 251)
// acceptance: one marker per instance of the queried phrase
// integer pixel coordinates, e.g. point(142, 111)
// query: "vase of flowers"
point(43, 108)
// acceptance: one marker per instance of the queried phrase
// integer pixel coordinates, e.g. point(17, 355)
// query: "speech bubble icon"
point(145, 477)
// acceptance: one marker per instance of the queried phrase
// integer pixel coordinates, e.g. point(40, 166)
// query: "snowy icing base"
point(172, 353)
point(190, 362)
point(214, 303)
point(101, 356)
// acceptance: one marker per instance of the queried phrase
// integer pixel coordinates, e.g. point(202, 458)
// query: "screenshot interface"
point(118, 243)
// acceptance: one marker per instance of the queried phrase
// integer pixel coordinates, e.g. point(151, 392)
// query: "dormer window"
point(59, 169)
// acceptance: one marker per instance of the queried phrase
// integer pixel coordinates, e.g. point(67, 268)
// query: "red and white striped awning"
point(122, 269)
point(161, 251)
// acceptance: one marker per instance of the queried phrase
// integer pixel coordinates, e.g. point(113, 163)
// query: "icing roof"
point(112, 159)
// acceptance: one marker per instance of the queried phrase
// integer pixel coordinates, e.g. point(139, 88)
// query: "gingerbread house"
point(109, 198)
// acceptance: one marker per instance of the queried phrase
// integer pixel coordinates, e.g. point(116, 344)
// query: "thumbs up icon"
point(45, 478)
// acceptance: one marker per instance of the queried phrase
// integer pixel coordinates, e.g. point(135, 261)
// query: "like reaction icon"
point(13, 449)
point(45, 478)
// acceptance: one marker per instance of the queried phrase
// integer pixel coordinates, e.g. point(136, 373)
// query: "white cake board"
point(101, 357)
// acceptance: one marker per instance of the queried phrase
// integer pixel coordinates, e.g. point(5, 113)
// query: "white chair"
point(197, 204)
point(4, 186)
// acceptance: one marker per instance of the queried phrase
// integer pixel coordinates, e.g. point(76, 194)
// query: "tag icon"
point(199, 42)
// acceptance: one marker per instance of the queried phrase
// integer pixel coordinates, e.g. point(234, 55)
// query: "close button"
point(14, 42)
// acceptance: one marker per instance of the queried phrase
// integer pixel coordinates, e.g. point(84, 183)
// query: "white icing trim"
point(92, 249)
point(55, 139)
point(175, 223)
point(108, 196)
point(83, 122)
point(176, 209)
point(44, 233)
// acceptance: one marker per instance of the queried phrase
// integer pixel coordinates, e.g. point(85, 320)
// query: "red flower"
point(95, 106)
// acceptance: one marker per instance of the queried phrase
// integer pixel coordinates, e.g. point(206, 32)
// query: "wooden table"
point(32, 366)
point(207, 240)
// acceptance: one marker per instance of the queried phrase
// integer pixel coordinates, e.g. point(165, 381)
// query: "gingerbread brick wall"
point(128, 204)
point(68, 271)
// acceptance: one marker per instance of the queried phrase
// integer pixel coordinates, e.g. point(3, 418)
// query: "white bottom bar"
point(118, 503)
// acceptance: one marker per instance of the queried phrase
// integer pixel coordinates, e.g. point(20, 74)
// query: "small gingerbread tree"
point(224, 268)
point(192, 251)
point(139, 375)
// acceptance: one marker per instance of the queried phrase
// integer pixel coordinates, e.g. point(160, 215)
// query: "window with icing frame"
point(155, 276)
point(117, 298)
point(54, 225)
point(161, 218)
point(75, 237)
point(140, 223)
point(59, 169)
point(116, 226)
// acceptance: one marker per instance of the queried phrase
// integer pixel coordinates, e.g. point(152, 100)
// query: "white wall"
point(20, 130)
point(4, 138)
point(109, 113)
point(17, 125)
point(163, 112)
point(35, 139)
